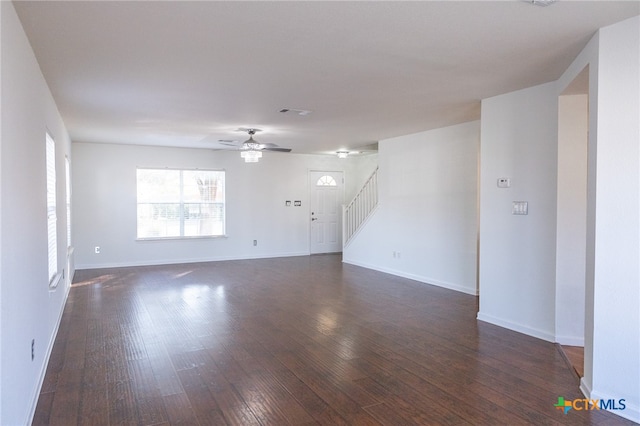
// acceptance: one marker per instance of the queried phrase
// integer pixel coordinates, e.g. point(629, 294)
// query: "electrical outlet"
point(97, 250)
point(33, 349)
point(255, 243)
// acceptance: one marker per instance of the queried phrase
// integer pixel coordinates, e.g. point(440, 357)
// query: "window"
point(67, 170)
point(51, 210)
point(326, 181)
point(180, 203)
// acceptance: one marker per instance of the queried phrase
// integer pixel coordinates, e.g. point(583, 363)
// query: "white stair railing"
point(358, 210)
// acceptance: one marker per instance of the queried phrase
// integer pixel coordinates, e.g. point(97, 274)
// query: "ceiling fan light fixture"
point(251, 150)
point(251, 145)
point(342, 154)
point(251, 156)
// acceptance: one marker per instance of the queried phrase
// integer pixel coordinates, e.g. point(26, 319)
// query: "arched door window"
point(326, 180)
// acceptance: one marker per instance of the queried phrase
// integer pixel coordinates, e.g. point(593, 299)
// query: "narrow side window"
point(51, 210)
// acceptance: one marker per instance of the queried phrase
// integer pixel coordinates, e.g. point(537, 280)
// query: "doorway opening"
point(571, 230)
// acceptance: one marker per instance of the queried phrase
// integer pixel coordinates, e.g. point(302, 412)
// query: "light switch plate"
point(520, 208)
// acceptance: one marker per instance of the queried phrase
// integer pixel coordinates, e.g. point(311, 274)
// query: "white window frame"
point(67, 171)
point(181, 203)
point(52, 219)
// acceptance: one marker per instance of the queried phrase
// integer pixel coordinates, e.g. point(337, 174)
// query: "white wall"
point(517, 288)
point(572, 219)
point(29, 309)
point(359, 167)
point(427, 211)
point(517, 253)
point(1, 13)
point(616, 281)
point(104, 209)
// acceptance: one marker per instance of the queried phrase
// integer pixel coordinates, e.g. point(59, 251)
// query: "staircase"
point(358, 210)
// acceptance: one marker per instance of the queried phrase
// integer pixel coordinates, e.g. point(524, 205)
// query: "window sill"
point(53, 285)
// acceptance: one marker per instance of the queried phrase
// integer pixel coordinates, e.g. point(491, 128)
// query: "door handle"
point(314, 218)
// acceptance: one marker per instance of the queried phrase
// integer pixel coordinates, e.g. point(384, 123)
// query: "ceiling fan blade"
point(231, 145)
point(276, 149)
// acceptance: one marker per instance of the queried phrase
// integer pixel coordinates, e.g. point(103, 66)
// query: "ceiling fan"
point(251, 150)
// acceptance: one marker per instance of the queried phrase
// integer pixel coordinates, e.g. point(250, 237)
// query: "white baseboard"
point(631, 411)
point(415, 277)
point(585, 388)
point(47, 356)
point(570, 340)
point(520, 328)
point(179, 261)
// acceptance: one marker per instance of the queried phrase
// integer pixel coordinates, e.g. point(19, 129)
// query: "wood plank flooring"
point(575, 357)
point(292, 341)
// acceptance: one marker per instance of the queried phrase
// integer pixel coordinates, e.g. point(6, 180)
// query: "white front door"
point(326, 192)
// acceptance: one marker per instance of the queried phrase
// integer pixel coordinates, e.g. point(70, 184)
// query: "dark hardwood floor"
point(575, 358)
point(299, 341)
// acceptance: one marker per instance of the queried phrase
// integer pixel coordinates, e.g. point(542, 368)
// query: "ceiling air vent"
point(542, 3)
point(302, 112)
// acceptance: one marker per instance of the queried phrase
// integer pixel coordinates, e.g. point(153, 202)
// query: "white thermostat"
point(504, 182)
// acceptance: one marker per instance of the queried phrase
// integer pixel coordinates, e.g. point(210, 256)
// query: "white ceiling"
point(191, 73)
